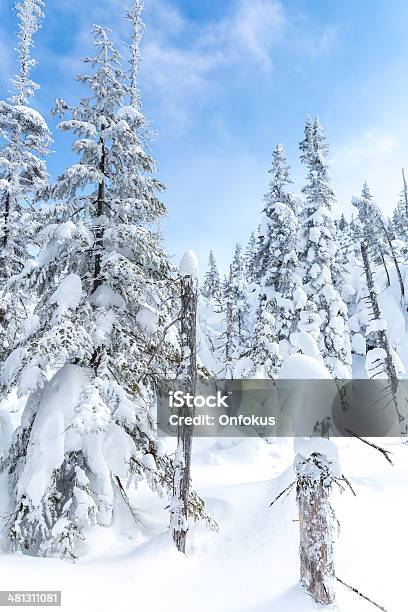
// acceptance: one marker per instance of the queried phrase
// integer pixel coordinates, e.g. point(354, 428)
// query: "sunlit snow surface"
point(252, 563)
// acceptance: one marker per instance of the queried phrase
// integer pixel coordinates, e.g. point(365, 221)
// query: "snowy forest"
point(95, 314)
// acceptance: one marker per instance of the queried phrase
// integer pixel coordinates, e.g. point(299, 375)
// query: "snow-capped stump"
point(316, 466)
point(315, 477)
point(189, 264)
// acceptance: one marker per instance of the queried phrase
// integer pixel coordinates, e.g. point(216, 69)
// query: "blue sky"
point(224, 81)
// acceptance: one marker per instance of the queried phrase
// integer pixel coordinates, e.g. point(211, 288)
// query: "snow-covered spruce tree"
point(400, 220)
point(188, 374)
point(342, 223)
point(269, 254)
point(239, 293)
point(264, 352)
point(235, 336)
point(278, 241)
point(345, 239)
point(24, 141)
point(318, 254)
point(212, 284)
point(251, 258)
point(99, 328)
point(404, 204)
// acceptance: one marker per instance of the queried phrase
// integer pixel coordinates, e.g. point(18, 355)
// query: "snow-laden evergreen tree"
point(318, 256)
point(400, 220)
point(251, 258)
point(278, 240)
point(102, 329)
point(235, 336)
point(239, 293)
point(270, 250)
point(264, 353)
point(212, 285)
point(342, 223)
point(24, 141)
point(314, 481)
point(399, 223)
point(280, 179)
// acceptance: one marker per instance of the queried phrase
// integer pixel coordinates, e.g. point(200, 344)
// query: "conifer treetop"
point(134, 16)
point(29, 14)
point(279, 180)
point(313, 153)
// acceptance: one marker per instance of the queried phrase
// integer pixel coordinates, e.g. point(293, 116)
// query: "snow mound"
point(303, 367)
point(148, 318)
point(308, 345)
point(358, 344)
point(68, 295)
point(106, 297)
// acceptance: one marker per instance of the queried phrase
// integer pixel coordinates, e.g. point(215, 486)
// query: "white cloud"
point(183, 71)
point(249, 33)
point(187, 62)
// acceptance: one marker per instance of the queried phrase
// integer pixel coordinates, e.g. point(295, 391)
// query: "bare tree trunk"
point(97, 281)
point(182, 462)
point(405, 191)
point(228, 335)
point(394, 257)
point(382, 338)
point(316, 526)
point(6, 230)
point(385, 267)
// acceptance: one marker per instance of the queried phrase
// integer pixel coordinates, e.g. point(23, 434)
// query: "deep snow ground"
point(251, 565)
